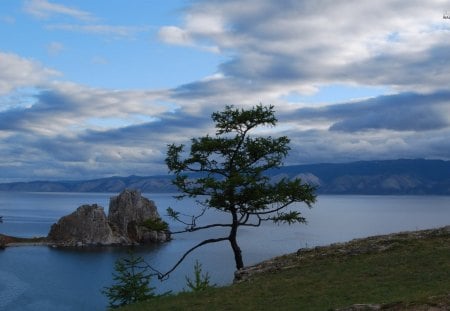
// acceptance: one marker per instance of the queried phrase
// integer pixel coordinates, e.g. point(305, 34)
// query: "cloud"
point(177, 36)
point(165, 130)
point(66, 107)
point(55, 138)
point(57, 132)
point(98, 29)
point(269, 49)
point(174, 35)
point(321, 146)
point(16, 72)
point(44, 9)
point(290, 45)
point(406, 125)
point(399, 112)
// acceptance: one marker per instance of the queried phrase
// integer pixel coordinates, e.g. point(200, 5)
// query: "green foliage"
point(288, 218)
point(156, 224)
point(200, 281)
point(132, 282)
point(173, 214)
point(229, 174)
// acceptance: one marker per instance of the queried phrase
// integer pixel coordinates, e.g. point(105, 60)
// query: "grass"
point(407, 271)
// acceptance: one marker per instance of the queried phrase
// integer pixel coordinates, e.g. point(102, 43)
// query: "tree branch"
point(175, 215)
point(192, 229)
point(253, 225)
point(164, 276)
point(273, 210)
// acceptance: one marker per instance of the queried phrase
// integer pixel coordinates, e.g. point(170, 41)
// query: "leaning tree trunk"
point(234, 245)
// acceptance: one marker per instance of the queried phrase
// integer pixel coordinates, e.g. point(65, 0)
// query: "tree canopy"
point(227, 172)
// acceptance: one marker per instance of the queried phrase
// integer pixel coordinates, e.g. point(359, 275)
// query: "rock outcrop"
point(132, 219)
point(129, 215)
point(88, 225)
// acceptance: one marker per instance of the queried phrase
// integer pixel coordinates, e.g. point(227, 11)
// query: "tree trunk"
point(237, 253)
point(234, 244)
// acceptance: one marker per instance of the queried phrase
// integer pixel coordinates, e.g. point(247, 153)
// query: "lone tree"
point(226, 172)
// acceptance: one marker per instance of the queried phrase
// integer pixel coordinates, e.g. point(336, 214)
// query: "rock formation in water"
point(132, 216)
point(88, 225)
point(132, 219)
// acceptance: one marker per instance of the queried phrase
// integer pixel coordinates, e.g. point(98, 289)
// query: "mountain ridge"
point(383, 177)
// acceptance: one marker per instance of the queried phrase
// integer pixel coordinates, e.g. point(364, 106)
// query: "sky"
point(92, 89)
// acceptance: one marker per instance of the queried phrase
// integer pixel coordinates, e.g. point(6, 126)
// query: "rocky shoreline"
point(8, 241)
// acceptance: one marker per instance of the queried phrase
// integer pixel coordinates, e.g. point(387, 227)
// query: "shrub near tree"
point(226, 172)
point(132, 279)
point(201, 281)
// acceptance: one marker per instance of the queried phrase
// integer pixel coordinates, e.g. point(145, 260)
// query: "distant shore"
point(11, 241)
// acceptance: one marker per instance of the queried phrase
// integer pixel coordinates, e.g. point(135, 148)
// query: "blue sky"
point(92, 89)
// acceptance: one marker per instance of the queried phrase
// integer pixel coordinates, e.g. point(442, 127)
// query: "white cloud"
point(302, 43)
point(205, 23)
point(57, 133)
point(70, 108)
point(272, 50)
point(16, 72)
point(45, 9)
point(177, 36)
point(174, 35)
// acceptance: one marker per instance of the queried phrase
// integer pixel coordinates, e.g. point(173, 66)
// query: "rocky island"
point(132, 220)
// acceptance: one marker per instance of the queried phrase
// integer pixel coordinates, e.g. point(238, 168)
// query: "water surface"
point(44, 278)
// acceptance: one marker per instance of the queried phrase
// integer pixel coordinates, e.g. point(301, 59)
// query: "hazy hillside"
point(111, 184)
point(375, 177)
point(365, 177)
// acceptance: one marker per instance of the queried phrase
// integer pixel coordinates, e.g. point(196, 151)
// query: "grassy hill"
point(405, 271)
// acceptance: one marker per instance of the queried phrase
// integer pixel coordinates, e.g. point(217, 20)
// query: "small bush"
point(201, 281)
point(155, 224)
point(132, 282)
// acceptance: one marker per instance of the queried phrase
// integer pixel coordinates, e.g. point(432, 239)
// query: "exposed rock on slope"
point(132, 219)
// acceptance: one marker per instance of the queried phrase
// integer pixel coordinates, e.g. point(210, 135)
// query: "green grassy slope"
point(408, 271)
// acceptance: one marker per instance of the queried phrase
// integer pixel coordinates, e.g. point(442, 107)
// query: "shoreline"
point(370, 244)
point(12, 241)
point(19, 244)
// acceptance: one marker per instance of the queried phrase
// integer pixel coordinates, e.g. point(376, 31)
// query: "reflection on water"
point(43, 278)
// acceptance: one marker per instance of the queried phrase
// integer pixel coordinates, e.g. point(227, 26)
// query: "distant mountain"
point(417, 177)
point(111, 184)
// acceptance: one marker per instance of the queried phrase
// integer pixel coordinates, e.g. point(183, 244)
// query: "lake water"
point(44, 278)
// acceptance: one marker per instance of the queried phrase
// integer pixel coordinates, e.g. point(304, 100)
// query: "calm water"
point(43, 278)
